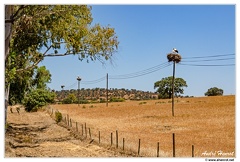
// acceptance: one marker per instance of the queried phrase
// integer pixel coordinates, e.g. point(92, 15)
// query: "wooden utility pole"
point(174, 57)
point(107, 91)
point(173, 87)
point(79, 79)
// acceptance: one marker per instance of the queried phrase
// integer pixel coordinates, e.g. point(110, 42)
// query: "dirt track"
point(37, 135)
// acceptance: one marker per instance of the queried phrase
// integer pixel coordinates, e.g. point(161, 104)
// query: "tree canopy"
point(33, 32)
point(42, 30)
point(164, 87)
point(37, 31)
point(214, 91)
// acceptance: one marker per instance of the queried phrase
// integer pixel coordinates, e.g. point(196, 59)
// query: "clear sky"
point(147, 33)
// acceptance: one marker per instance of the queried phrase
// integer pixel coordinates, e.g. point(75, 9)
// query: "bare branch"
point(52, 54)
point(47, 50)
point(30, 67)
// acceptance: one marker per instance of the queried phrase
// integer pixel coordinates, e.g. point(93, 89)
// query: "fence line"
point(126, 147)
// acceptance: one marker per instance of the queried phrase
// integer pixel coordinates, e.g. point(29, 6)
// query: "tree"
point(27, 80)
point(37, 31)
point(214, 91)
point(41, 78)
point(165, 87)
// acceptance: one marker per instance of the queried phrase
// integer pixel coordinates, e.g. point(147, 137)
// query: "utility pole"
point(107, 91)
point(175, 57)
point(62, 86)
point(79, 79)
point(173, 87)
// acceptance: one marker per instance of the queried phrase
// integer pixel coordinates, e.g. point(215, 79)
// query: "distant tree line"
point(100, 95)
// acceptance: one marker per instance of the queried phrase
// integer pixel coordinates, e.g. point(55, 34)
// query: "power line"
point(208, 64)
point(72, 85)
point(209, 56)
point(164, 65)
point(94, 81)
point(141, 73)
point(223, 59)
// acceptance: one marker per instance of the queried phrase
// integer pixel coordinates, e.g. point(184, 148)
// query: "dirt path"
point(37, 135)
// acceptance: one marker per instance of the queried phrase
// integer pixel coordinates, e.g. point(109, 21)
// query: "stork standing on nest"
point(175, 50)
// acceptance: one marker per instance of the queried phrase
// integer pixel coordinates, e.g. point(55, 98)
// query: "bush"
point(117, 99)
point(141, 103)
point(37, 98)
point(71, 98)
point(58, 116)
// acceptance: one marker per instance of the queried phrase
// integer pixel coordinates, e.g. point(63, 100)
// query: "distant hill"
point(101, 94)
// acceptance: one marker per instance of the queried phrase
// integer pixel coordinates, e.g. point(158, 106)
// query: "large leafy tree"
point(214, 91)
point(26, 81)
point(164, 87)
point(41, 78)
point(33, 32)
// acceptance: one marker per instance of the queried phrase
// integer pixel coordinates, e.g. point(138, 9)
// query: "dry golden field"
point(208, 123)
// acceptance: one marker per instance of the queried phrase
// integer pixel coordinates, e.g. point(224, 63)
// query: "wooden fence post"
point(90, 133)
point(139, 142)
point(192, 150)
point(111, 139)
point(67, 120)
point(86, 129)
point(76, 126)
point(99, 137)
point(123, 143)
point(173, 145)
point(116, 139)
point(82, 129)
point(158, 149)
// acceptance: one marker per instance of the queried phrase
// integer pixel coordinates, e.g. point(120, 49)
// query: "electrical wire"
point(94, 81)
point(141, 73)
point(72, 85)
point(213, 58)
point(209, 56)
point(208, 64)
point(209, 60)
point(164, 65)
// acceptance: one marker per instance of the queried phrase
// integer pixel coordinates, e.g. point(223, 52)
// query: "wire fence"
point(116, 140)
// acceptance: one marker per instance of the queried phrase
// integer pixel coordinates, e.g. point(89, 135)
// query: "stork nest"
point(174, 57)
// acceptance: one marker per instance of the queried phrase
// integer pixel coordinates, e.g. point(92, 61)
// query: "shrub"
point(142, 103)
point(58, 116)
point(71, 98)
point(117, 99)
point(37, 98)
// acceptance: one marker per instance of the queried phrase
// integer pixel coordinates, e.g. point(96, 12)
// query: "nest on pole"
point(174, 57)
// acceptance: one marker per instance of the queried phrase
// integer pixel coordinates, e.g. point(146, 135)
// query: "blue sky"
point(147, 33)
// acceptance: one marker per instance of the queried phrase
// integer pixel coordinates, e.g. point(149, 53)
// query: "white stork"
point(175, 50)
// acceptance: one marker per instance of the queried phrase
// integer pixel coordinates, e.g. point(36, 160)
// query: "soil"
point(36, 134)
point(207, 123)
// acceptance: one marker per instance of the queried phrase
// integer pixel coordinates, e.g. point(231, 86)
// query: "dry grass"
point(208, 123)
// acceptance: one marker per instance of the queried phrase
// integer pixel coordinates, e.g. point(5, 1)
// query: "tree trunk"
point(8, 28)
point(8, 35)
